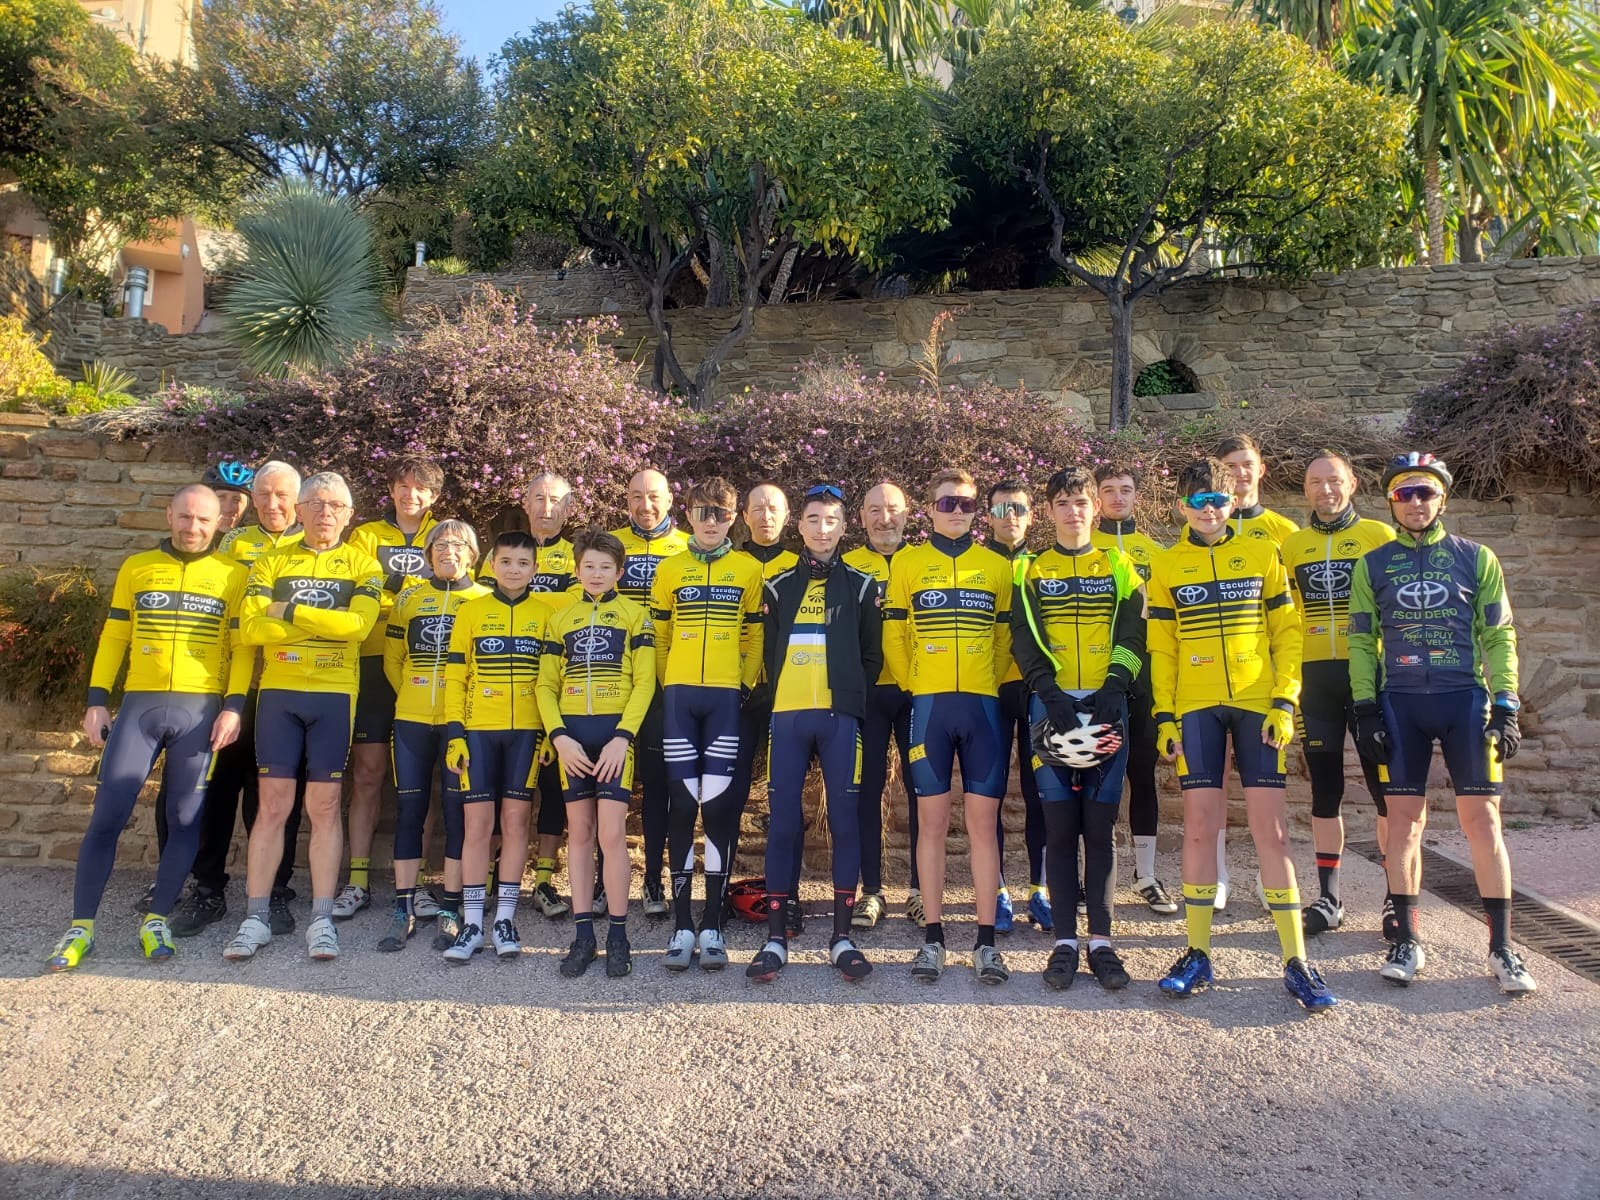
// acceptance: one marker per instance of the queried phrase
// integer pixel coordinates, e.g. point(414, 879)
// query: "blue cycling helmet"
point(229, 475)
point(1417, 461)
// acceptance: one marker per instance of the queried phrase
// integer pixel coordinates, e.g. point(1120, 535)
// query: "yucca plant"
point(310, 286)
point(104, 379)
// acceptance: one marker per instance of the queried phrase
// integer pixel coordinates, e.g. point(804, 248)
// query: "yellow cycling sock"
point(1035, 889)
point(544, 869)
point(358, 871)
point(1284, 904)
point(1199, 906)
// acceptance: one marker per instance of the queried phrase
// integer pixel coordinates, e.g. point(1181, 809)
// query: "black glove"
point(1109, 706)
point(1372, 736)
point(1503, 728)
point(1061, 708)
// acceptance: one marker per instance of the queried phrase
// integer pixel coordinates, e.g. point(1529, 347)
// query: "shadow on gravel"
point(48, 1179)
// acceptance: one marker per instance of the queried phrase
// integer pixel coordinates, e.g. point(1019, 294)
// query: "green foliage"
point(449, 265)
point(24, 369)
point(48, 626)
point(104, 378)
point(1164, 378)
point(310, 286)
point(659, 129)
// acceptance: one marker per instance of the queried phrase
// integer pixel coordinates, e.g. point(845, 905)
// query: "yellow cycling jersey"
point(1141, 548)
point(417, 644)
point(175, 618)
point(599, 660)
point(803, 677)
point(246, 543)
point(401, 559)
point(1321, 561)
point(774, 559)
point(492, 675)
point(707, 618)
point(1222, 627)
point(946, 619)
point(875, 563)
point(1013, 555)
point(1086, 614)
point(1261, 524)
point(644, 557)
point(332, 597)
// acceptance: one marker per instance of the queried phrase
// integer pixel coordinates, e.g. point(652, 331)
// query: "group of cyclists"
point(541, 681)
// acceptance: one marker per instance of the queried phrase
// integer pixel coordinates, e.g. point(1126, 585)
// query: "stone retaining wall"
point(81, 333)
point(560, 294)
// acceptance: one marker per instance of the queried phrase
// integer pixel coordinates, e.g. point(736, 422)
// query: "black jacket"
point(854, 636)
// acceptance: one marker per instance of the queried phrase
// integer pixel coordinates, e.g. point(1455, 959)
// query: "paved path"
point(398, 1076)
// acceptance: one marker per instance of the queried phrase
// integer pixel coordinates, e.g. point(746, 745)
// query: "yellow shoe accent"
point(155, 939)
point(73, 948)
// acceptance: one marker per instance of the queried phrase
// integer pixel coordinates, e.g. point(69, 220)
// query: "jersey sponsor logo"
point(1236, 563)
point(590, 643)
point(932, 600)
point(406, 560)
point(154, 600)
point(689, 593)
point(1441, 559)
point(1329, 580)
point(1054, 587)
point(434, 632)
point(1191, 593)
point(312, 597)
point(1422, 594)
point(491, 645)
point(1349, 546)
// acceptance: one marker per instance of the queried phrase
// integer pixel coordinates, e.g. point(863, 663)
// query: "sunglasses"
point(707, 512)
point(1009, 508)
point(1207, 500)
point(820, 490)
point(960, 504)
point(1415, 491)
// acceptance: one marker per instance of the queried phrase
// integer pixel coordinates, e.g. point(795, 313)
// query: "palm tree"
point(1322, 24)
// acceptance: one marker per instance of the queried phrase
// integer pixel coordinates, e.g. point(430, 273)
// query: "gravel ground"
point(1556, 861)
point(399, 1076)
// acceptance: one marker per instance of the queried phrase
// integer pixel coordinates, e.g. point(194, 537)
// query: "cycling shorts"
point(592, 733)
point(302, 727)
point(502, 764)
point(951, 727)
point(1456, 720)
point(1327, 713)
point(374, 703)
point(1203, 760)
point(417, 751)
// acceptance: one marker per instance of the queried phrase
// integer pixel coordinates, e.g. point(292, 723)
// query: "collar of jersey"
point(1251, 513)
point(183, 556)
point(451, 585)
point(1227, 536)
point(1433, 533)
point(710, 556)
point(650, 535)
point(1060, 549)
point(547, 543)
point(289, 530)
point(505, 599)
point(422, 526)
point(1010, 554)
point(1113, 526)
point(1343, 521)
point(762, 553)
point(605, 597)
point(954, 547)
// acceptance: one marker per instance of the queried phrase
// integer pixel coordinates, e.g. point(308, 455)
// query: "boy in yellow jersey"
point(309, 606)
point(822, 645)
point(706, 607)
point(596, 679)
point(1225, 665)
point(650, 537)
point(1078, 633)
point(884, 512)
point(947, 638)
point(415, 651)
point(492, 707)
point(1010, 510)
point(1117, 490)
point(176, 608)
point(1321, 561)
point(395, 542)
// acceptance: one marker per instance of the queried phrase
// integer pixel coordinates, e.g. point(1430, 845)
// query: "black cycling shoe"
point(279, 918)
point(581, 953)
point(201, 907)
point(1108, 969)
point(1062, 968)
point(619, 959)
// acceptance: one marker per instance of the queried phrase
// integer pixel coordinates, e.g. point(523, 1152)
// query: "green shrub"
point(24, 370)
point(48, 626)
point(449, 265)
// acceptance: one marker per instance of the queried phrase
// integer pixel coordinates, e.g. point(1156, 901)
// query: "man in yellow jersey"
point(1242, 456)
point(1010, 511)
point(394, 542)
point(1321, 561)
point(822, 643)
point(273, 492)
point(1117, 489)
point(765, 513)
point(1078, 633)
point(414, 653)
point(1225, 660)
point(650, 536)
point(884, 512)
point(547, 503)
point(597, 677)
point(706, 607)
point(174, 618)
point(947, 638)
point(309, 606)
point(492, 707)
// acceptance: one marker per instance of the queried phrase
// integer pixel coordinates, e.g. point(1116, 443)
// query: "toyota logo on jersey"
point(590, 643)
point(491, 645)
point(689, 593)
point(1329, 580)
point(1422, 594)
point(1053, 587)
point(435, 632)
point(155, 600)
point(932, 600)
point(1190, 594)
point(403, 560)
point(312, 597)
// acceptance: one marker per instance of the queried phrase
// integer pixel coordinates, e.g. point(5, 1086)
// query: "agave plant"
point(310, 286)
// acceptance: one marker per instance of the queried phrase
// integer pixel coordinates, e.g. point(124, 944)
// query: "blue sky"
point(484, 25)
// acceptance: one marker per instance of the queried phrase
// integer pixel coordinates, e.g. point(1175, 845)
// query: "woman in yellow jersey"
point(416, 647)
point(1225, 666)
point(596, 681)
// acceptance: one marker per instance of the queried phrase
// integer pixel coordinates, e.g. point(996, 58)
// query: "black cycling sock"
point(617, 931)
point(1499, 910)
point(777, 904)
point(1328, 876)
point(844, 906)
point(405, 899)
point(933, 932)
point(452, 902)
point(1405, 916)
point(683, 899)
point(583, 925)
point(716, 889)
point(985, 935)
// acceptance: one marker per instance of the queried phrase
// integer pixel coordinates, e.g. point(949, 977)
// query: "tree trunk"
point(665, 362)
point(1433, 206)
point(1469, 235)
point(780, 281)
point(1121, 356)
point(718, 291)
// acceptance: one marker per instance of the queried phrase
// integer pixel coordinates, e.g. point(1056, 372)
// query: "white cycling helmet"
point(1079, 749)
